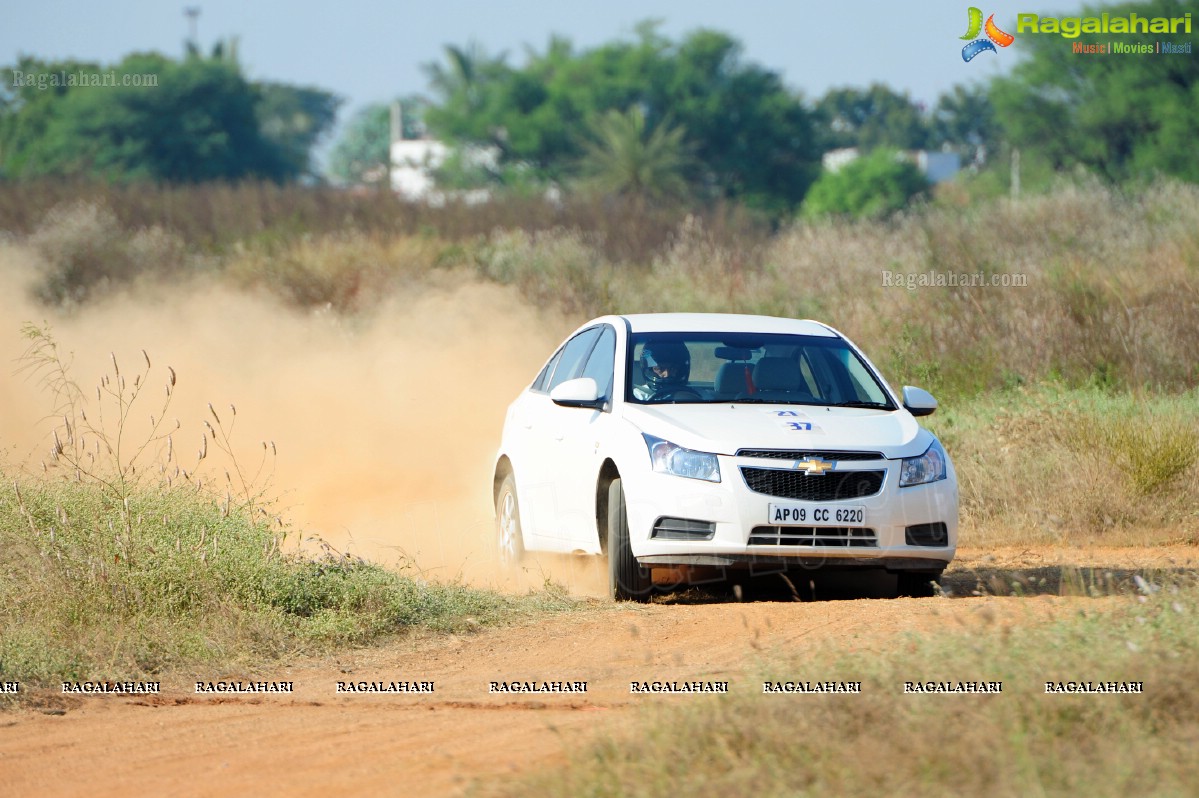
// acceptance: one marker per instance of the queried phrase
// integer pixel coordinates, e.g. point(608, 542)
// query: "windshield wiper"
point(754, 400)
point(870, 405)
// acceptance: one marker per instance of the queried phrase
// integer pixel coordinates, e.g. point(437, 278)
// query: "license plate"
point(818, 515)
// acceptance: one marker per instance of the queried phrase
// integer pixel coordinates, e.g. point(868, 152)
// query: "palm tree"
point(625, 158)
point(462, 78)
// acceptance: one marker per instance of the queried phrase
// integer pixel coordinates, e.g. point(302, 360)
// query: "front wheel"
point(510, 544)
point(628, 580)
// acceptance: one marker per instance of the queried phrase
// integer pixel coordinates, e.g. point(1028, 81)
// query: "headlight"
point(670, 458)
point(928, 467)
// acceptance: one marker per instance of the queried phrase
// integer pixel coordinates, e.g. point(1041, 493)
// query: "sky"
point(372, 50)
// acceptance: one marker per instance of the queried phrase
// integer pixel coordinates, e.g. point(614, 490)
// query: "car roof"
point(725, 322)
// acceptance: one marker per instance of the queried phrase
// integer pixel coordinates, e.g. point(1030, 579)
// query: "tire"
point(510, 545)
point(627, 579)
point(916, 584)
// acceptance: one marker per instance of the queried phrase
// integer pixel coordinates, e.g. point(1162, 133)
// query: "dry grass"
point(213, 217)
point(82, 251)
point(1079, 467)
point(345, 272)
point(127, 554)
point(169, 578)
point(1021, 742)
point(1102, 454)
point(1087, 315)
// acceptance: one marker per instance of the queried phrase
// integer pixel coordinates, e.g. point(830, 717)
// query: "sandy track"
point(317, 742)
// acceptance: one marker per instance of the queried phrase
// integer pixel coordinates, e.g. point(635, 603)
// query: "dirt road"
point(316, 741)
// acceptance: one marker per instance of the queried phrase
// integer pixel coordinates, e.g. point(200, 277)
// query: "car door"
point(540, 476)
point(578, 432)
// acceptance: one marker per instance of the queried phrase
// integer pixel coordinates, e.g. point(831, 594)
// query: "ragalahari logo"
point(994, 35)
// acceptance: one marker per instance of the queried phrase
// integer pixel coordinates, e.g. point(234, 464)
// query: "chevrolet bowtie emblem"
point(813, 465)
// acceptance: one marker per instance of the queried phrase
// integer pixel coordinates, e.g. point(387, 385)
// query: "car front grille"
point(853, 537)
point(804, 454)
point(832, 486)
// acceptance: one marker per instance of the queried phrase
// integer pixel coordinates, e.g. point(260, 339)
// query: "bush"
point(85, 252)
point(872, 186)
point(94, 588)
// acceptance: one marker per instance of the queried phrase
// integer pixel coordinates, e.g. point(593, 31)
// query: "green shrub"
point(871, 186)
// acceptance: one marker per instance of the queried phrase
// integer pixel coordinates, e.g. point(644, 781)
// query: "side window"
point(574, 354)
point(601, 363)
point(864, 385)
point(846, 377)
point(543, 378)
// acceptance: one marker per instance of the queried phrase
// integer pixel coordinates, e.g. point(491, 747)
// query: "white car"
point(686, 442)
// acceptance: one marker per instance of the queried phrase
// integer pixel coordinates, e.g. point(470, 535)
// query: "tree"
point(164, 120)
point(869, 118)
point(1120, 115)
point(28, 109)
point(964, 119)
point(872, 186)
point(465, 86)
point(627, 158)
point(295, 119)
point(363, 152)
point(752, 139)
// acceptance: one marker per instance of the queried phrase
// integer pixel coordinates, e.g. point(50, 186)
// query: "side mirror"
point(581, 392)
point(918, 401)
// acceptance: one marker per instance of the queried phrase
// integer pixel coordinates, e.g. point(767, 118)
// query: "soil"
point(318, 742)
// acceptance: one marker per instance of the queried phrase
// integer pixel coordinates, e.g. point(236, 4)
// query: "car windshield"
point(696, 368)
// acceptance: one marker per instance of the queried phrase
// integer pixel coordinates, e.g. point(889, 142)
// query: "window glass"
point(601, 363)
point(768, 368)
point(864, 387)
point(574, 357)
point(544, 377)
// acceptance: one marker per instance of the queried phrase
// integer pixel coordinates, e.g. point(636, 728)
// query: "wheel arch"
point(607, 473)
point(503, 468)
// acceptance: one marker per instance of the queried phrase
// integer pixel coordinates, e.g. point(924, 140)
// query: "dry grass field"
point(134, 548)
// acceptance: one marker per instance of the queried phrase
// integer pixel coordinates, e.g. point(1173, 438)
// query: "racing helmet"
point(670, 357)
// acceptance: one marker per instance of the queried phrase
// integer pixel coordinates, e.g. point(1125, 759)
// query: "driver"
point(665, 367)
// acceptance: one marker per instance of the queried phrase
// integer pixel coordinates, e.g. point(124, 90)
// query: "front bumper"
point(741, 533)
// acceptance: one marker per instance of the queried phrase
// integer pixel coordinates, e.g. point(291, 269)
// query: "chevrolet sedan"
point(683, 443)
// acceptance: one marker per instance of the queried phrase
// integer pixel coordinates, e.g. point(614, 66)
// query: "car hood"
point(725, 428)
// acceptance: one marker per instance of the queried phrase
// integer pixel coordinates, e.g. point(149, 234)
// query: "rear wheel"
point(509, 543)
point(917, 584)
point(627, 579)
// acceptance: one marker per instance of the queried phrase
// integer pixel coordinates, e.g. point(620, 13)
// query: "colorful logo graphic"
point(994, 35)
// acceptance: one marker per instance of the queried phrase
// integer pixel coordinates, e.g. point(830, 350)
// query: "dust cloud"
point(386, 426)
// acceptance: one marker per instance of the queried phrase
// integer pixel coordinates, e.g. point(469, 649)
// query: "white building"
point(414, 161)
point(412, 164)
